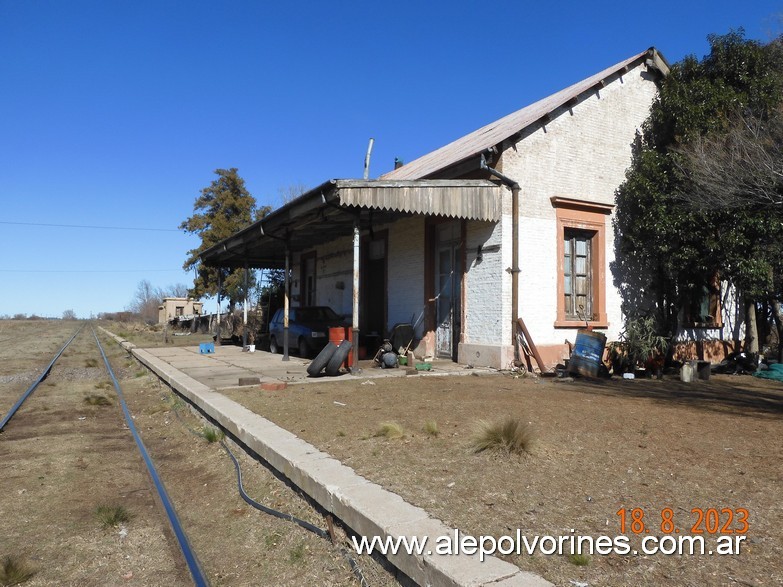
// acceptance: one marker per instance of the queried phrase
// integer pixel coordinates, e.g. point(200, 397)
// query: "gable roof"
point(496, 132)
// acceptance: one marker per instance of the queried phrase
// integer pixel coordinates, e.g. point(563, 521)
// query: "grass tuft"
point(212, 434)
point(14, 572)
point(111, 516)
point(509, 435)
point(297, 553)
point(97, 400)
point(580, 560)
point(389, 430)
point(91, 363)
point(431, 427)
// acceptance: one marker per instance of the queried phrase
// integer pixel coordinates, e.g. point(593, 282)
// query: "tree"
point(666, 246)
point(223, 208)
point(69, 315)
point(739, 168)
point(290, 192)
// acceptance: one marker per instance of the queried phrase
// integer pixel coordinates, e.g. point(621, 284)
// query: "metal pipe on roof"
point(367, 159)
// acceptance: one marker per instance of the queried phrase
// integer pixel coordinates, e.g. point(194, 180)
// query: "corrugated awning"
point(330, 210)
point(468, 199)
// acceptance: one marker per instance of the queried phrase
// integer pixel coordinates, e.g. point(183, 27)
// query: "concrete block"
point(370, 510)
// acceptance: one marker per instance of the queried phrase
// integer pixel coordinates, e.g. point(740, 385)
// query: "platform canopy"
point(330, 211)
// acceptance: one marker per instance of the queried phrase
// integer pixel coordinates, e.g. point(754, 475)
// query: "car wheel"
point(304, 350)
point(273, 348)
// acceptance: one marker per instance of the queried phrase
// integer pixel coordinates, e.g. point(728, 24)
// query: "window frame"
point(588, 217)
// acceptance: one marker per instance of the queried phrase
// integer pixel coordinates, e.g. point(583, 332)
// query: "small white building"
point(178, 308)
point(511, 221)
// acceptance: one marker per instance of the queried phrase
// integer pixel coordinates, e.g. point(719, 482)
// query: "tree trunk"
point(751, 330)
point(777, 313)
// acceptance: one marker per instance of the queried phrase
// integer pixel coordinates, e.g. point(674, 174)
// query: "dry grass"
point(431, 428)
point(14, 572)
point(112, 516)
point(510, 434)
point(97, 400)
point(390, 430)
point(212, 434)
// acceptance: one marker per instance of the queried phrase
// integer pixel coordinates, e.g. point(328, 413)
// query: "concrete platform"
point(365, 507)
point(223, 368)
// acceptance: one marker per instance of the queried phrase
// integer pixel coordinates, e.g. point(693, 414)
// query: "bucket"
point(586, 358)
point(337, 334)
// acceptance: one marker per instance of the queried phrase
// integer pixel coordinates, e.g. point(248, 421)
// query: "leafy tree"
point(223, 208)
point(668, 242)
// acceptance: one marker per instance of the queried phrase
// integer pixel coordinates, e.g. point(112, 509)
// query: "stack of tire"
point(330, 359)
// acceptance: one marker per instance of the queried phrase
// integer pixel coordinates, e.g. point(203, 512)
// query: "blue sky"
point(115, 114)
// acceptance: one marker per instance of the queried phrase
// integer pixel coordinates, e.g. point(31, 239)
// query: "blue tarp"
point(775, 372)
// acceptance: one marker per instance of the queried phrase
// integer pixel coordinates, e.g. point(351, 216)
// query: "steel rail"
point(190, 558)
point(36, 383)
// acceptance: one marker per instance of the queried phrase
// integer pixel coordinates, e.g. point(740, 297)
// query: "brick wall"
point(581, 153)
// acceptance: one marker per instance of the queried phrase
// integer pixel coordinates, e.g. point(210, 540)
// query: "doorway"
point(448, 289)
point(373, 298)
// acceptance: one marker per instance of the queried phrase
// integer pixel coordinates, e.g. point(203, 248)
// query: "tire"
point(317, 364)
point(273, 348)
point(338, 358)
point(304, 350)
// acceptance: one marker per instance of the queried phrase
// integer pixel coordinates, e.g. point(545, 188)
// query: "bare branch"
point(740, 168)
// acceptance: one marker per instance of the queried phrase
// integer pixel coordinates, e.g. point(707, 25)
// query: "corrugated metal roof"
point(329, 211)
point(469, 199)
point(495, 133)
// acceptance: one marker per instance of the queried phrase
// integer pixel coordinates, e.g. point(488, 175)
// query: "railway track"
point(68, 449)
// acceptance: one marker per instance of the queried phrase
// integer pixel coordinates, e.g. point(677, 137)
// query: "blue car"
point(308, 329)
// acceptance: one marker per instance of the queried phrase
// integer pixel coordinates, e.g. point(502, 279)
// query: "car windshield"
point(316, 314)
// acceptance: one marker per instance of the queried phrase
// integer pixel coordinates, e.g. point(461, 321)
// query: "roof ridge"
point(497, 131)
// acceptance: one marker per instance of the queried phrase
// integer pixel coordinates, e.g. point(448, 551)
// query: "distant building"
point(174, 308)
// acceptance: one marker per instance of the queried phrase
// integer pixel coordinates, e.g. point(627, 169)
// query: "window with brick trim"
point(581, 265)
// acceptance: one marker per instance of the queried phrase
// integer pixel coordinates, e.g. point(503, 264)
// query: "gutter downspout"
point(514, 269)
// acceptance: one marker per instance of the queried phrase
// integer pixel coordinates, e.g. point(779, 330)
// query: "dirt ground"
point(62, 458)
point(600, 447)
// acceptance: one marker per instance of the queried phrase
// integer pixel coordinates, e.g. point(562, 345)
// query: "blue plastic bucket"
point(587, 356)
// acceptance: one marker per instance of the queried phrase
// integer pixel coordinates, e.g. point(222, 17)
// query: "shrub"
point(431, 427)
point(510, 435)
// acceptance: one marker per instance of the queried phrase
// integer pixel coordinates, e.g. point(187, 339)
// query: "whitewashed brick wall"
point(582, 153)
point(406, 272)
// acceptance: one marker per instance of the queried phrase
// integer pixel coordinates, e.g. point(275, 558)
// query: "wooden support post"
point(532, 346)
